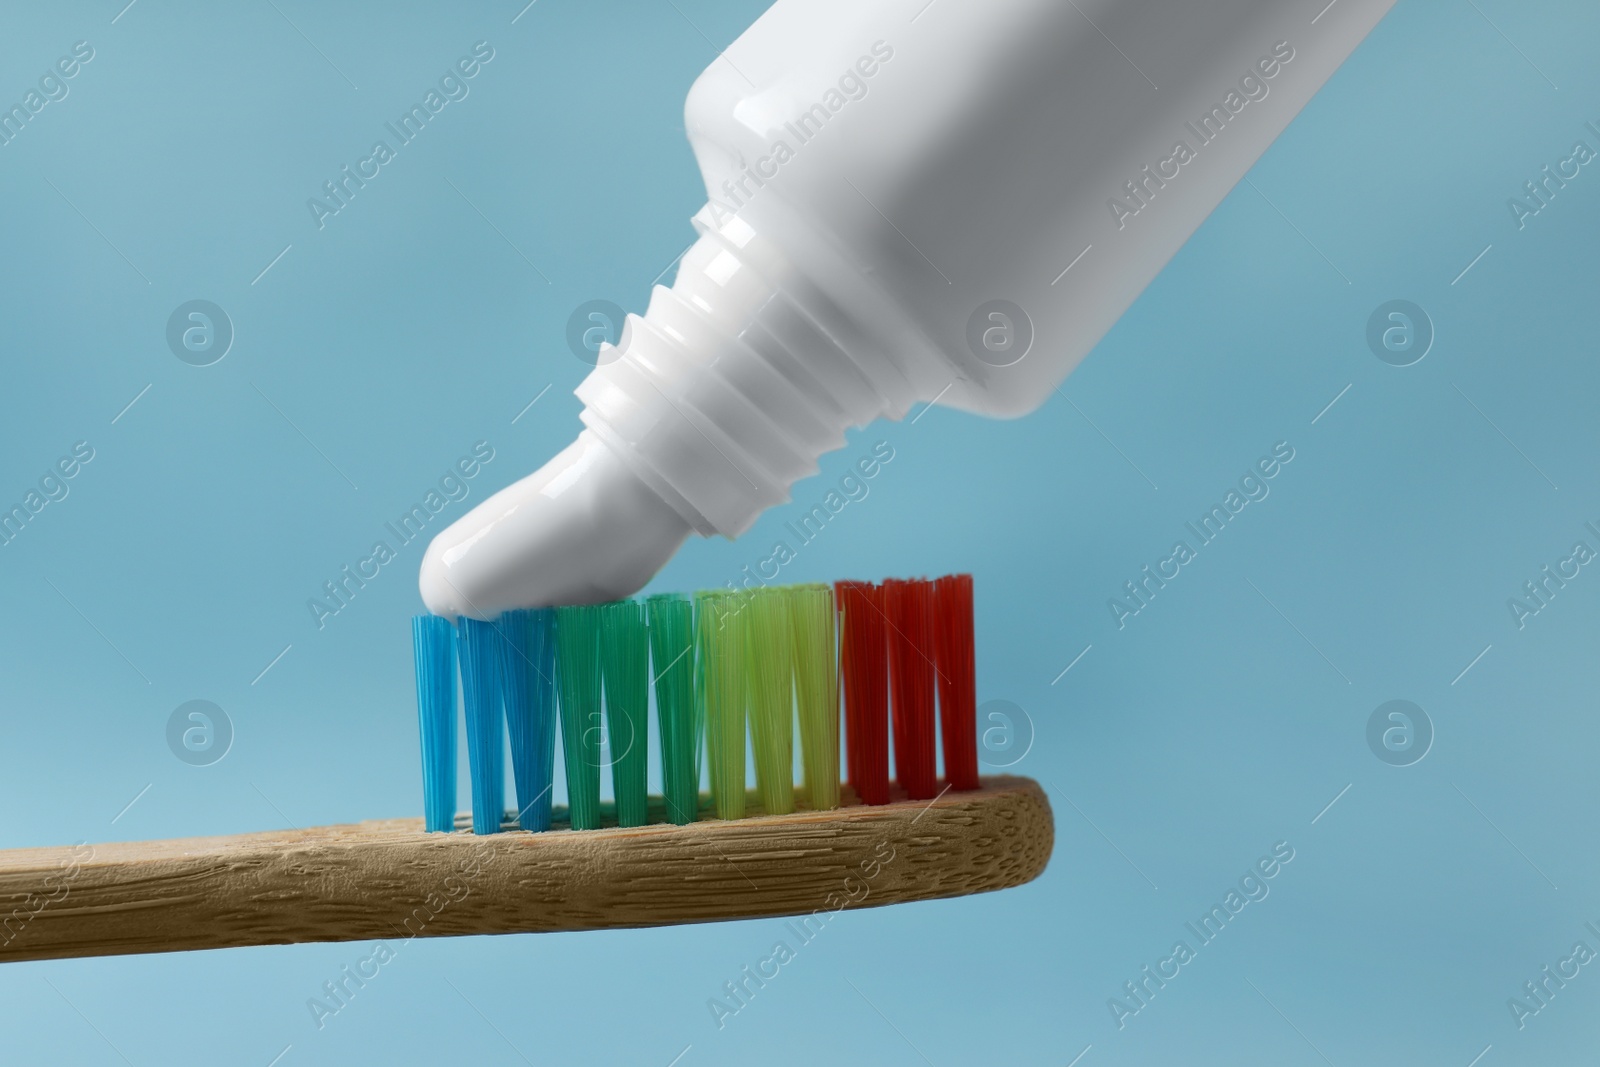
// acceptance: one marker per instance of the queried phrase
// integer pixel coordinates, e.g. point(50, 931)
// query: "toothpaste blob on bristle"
point(582, 529)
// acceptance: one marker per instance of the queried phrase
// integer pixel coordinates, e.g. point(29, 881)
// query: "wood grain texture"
point(389, 880)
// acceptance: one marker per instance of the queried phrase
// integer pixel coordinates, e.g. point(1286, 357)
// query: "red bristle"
point(864, 677)
point(909, 605)
point(958, 695)
point(847, 672)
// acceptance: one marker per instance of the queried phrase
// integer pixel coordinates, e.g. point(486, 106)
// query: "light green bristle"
point(625, 666)
point(719, 641)
point(677, 711)
point(816, 684)
point(769, 667)
point(578, 682)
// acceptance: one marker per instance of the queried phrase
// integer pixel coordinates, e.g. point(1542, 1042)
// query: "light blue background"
point(1177, 750)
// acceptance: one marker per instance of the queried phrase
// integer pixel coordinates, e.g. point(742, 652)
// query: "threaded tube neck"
point(732, 384)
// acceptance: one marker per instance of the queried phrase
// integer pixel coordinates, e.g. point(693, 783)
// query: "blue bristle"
point(433, 646)
point(528, 671)
point(479, 644)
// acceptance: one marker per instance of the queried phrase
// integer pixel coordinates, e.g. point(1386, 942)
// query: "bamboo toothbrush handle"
point(386, 880)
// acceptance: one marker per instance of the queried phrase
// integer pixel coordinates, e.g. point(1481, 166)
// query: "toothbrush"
point(712, 662)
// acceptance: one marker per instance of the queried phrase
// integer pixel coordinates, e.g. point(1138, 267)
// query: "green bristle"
point(625, 665)
point(816, 684)
point(677, 710)
point(719, 640)
point(769, 667)
point(700, 727)
point(578, 681)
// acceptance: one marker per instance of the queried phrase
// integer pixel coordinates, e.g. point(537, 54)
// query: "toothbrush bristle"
point(527, 672)
point(433, 644)
point(719, 639)
point(816, 685)
point(769, 666)
point(864, 671)
point(477, 644)
point(625, 665)
point(911, 684)
point(578, 682)
point(958, 696)
point(673, 661)
point(722, 664)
